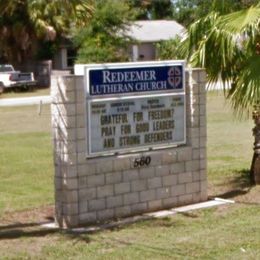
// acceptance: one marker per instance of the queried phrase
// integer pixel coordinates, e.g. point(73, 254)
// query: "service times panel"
point(136, 123)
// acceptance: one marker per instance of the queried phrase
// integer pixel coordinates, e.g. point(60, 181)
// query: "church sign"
point(134, 107)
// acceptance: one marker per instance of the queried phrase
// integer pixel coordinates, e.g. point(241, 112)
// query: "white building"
point(148, 33)
point(145, 33)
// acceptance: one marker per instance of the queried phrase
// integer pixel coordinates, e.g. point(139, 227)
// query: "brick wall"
point(98, 189)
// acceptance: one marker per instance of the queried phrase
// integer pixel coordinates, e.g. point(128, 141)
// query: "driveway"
point(25, 101)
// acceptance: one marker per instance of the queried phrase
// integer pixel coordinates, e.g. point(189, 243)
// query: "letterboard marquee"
point(134, 106)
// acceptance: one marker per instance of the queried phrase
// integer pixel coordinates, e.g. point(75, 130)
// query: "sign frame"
point(128, 96)
point(137, 148)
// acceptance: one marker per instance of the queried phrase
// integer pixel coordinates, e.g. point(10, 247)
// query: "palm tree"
point(228, 47)
point(25, 24)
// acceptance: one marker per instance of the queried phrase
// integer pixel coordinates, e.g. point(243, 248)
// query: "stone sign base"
point(103, 188)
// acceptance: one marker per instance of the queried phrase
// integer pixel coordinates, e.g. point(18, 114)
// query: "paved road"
point(6, 102)
point(47, 99)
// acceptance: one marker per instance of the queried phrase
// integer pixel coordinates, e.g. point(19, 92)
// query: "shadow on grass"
point(239, 184)
point(20, 225)
point(21, 230)
point(20, 233)
point(30, 230)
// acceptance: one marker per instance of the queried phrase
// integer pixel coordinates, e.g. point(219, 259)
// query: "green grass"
point(227, 232)
point(17, 120)
point(180, 237)
point(26, 164)
point(230, 142)
point(205, 234)
point(26, 171)
point(16, 93)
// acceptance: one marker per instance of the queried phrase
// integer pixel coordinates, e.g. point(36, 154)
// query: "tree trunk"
point(255, 166)
point(253, 169)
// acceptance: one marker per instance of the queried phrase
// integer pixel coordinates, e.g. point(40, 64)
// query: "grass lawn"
point(26, 166)
point(16, 93)
point(227, 232)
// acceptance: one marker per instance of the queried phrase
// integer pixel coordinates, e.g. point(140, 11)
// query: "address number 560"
point(142, 161)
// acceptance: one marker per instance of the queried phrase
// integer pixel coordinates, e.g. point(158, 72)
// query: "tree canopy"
point(169, 49)
point(151, 9)
point(188, 11)
point(103, 38)
point(26, 24)
point(228, 47)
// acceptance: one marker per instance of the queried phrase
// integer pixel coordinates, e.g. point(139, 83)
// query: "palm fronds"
point(227, 47)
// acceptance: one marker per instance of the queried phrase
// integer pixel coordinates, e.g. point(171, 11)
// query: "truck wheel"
point(1, 88)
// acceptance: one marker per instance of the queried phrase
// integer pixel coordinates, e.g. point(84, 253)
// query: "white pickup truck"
point(11, 78)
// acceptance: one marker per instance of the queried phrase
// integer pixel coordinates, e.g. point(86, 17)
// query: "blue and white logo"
point(174, 76)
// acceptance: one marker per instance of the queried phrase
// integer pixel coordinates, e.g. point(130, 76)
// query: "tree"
point(160, 9)
point(188, 11)
point(25, 25)
point(103, 39)
point(151, 9)
point(169, 49)
point(228, 47)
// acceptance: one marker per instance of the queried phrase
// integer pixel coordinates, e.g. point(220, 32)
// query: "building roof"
point(155, 30)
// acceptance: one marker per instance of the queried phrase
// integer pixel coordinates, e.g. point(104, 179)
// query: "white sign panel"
point(136, 123)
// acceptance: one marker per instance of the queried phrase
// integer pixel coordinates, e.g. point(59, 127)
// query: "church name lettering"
point(132, 80)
